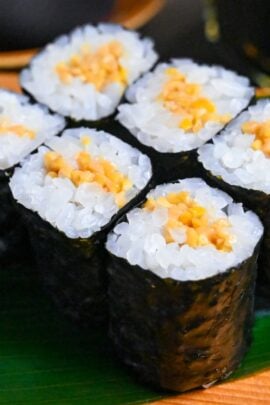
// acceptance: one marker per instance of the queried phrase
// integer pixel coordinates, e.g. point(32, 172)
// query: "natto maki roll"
point(71, 192)
point(178, 107)
point(83, 75)
point(23, 127)
point(239, 161)
point(181, 286)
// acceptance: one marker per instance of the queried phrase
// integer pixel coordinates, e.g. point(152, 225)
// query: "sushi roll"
point(23, 127)
point(70, 193)
point(238, 160)
point(83, 75)
point(181, 285)
point(177, 108)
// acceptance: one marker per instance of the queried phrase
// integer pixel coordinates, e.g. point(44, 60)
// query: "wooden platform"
point(254, 390)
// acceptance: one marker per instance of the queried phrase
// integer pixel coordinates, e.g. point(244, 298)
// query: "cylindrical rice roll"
point(71, 193)
point(181, 285)
point(84, 74)
point(238, 161)
point(177, 108)
point(23, 127)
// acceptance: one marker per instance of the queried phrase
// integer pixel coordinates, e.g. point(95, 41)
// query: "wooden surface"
point(15, 59)
point(135, 13)
point(9, 80)
point(254, 390)
point(130, 13)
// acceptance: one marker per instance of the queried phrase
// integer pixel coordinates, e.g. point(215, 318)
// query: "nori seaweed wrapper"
point(13, 235)
point(180, 335)
point(74, 270)
point(259, 202)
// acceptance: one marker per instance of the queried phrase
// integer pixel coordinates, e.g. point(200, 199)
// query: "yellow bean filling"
point(261, 130)
point(182, 97)
point(100, 68)
point(186, 214)
point(6, 126)
point(89, 169)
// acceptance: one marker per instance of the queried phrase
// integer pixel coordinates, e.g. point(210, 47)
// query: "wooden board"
point(253, 390)
point(133, 13)
point(10, 81)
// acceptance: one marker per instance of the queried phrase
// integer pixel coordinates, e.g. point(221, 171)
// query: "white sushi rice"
point(79, 100)
point(232, 157)
point(17, 110)
point(155, 126)
point(78, 211)
point(140, 240)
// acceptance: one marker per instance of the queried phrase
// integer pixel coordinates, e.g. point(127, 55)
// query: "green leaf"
point(44, 359)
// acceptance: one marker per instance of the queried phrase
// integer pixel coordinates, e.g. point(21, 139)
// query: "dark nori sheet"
point(13, 235)
point(74, 270)
point(181, 335)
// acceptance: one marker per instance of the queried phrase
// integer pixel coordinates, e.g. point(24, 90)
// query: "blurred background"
point(179, 30)
point(234, 33)
point(32, 23)
point(230, 32)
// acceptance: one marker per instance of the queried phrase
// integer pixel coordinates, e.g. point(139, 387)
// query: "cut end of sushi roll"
point(240, 155)
point(186, 231)
point(84, 74)
point(181, 105)
point(23, 127)
point(79, 181)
